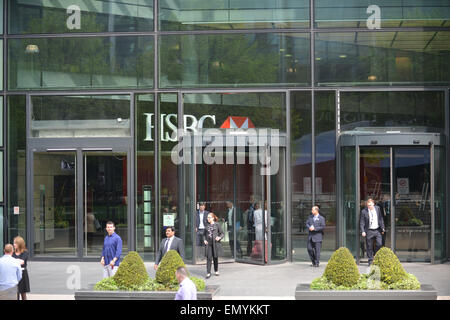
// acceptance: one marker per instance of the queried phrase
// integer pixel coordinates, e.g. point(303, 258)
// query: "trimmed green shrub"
point(391, 270)
point(131, 273)
point(165, 273)
point(199, 283)
point(342, 269)
point(106, 284)
point(410, 282)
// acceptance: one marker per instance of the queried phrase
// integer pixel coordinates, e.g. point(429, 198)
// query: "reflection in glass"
point(325, 180)
point(348, 203)
point(89, 62)
point(16, 135)
point(412, 204)
point(54, 203)
point(232, 14)
point(425, 110)
point(27, 17)
point(237, 60)
point(106, 199)
point(145, 176)
point(301, 159)
point(382, 58)
point(80, 116)
point(392, 14)
point(439, 203)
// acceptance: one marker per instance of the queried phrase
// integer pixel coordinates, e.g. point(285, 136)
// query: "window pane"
point(80, 116)
point(325, 135)
point(392, 13)
point(233, 14)
point(301, 155)
point(425, 111)
point(145, 177)
point(236, 60)
point(383, 58)
point(1, 122)
point(16, 166)
point(28, 16)
point(90, 62)
point(1, 177)
point(1, 64)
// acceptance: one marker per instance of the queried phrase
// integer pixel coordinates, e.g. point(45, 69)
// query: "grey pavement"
point(238, 281)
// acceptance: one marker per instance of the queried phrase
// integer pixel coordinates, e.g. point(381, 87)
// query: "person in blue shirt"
point(187, 290)
point(10, 269)
point(112, 249)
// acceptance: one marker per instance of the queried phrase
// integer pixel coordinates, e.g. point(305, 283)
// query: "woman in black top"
point(21, 253)
point(213, 235)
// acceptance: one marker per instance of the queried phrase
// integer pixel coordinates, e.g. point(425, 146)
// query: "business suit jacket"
point(319, 226)
point(205, 218)
point(217, 245)
point(364, 219)
point(177, 245)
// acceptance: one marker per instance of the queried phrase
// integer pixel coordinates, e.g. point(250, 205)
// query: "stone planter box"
point(89, 294)
point(426, 292)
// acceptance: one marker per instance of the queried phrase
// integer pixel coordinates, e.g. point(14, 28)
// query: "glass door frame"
point(79, 147)
point(374, 137)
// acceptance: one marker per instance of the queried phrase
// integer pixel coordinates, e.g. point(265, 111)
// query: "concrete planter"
point(426, 292)
point(89, 294)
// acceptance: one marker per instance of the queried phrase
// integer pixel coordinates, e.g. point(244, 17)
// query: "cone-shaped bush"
point(131, 273)
point(165, 273)
point(342, 269)
point(391, 270)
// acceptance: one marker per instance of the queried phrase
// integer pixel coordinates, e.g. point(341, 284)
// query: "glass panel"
point(1, 178)
point(106, 198)
point(17, 222)
point(80, 116)
point(28, 16)
point(301, 159)
point(382, 58)
point(439, 203)
point(78, 63)
point(145, 176)
point(232, 14)
point(54, 203)
point(1, 122)
point(388, 13)
point(237, 60)
point(278, 208)
point(325, 139)
point(169, 214)
point(375, 183)
point(425, 111)
point(349, 200)
point(412, 204)
point(1, 59)
point(1, 228)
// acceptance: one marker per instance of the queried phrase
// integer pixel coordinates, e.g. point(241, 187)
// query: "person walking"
point(112, 250)
point(315, 225)
point(170, 243)
point(21, 253)
point(187, 290)
point(200, 224)
point(371, 224)
point(10, 272)
point(213, 236)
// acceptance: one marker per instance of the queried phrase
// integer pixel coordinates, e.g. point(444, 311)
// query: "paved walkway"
point(238, 281)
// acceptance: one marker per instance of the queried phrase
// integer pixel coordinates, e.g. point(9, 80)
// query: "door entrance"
point(398, 171)
point(248, 202)
point(75, 192)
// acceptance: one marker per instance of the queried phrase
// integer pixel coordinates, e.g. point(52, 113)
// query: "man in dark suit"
point(371, 224)
point(201, 222)
point(231, 212)
point(170, 243)
point(315, 225)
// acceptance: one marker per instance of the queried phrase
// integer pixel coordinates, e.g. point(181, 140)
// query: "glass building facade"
point(136, 111)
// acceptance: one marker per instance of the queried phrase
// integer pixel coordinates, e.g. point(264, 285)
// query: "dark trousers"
point(314, 251)
point(250, 239)
point(210, 258)
point(370, 237)
point(231, 241)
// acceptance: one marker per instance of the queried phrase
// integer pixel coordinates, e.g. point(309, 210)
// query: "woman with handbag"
point(213, 235)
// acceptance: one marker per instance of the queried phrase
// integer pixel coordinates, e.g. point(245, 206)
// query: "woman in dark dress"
point(213, 249)
point(21, 253)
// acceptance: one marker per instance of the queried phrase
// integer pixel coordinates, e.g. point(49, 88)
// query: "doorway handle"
point(97, 149)
point(60, 150)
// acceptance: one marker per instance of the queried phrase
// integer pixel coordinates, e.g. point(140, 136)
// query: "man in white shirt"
point(201, 221)
point(371, 225)
point(188, 290)
point(10, 273)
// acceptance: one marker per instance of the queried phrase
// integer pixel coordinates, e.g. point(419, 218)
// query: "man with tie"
point(170, 243)
point(372, 227)
point(201, 222)
point(315, 225)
